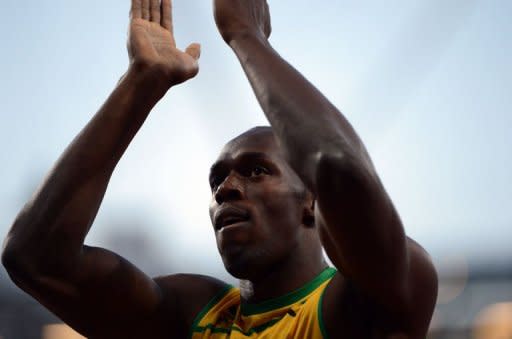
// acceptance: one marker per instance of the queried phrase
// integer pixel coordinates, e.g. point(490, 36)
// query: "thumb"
point(194, 50)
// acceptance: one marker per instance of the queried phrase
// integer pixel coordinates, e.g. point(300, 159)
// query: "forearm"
point(57, 218)
point(306, 123)
point(353, 210)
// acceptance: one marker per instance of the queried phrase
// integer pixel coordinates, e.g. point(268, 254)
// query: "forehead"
point(255, 142)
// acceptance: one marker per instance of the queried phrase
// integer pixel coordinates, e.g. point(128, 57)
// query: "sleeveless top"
point(296, 315)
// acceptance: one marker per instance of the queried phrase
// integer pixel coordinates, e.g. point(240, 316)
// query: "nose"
point(230, 189)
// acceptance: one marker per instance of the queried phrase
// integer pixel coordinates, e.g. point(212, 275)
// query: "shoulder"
point(190, 283)
point(185, 295)
point(423, 283)
point(349, 311)
point(346, 312)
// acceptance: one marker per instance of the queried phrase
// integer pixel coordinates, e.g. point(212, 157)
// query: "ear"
point(308, 211)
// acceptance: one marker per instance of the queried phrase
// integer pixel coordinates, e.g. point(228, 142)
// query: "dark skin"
point(291, 191)
point(388, 275)
point(278, 235)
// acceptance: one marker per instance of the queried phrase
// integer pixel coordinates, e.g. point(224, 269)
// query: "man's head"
point(261, 211)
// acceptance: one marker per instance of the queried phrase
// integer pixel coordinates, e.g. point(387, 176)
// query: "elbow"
point(12, 260)
point(9, 254)
point(18, 257)
point(14, 249)
point(18, 268)
point(341, 169)
point(31, 271)
point(8, 259)
point(21, 268)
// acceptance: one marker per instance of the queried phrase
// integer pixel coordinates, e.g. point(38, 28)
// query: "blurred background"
point(426, 83)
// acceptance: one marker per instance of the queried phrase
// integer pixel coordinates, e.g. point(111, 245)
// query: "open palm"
point(151, 41)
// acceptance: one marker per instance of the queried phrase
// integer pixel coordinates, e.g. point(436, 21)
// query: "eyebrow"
point(246, 155)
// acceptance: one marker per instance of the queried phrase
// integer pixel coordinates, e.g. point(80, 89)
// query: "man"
point(278, 195)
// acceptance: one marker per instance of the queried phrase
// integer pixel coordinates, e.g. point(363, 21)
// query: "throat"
point(246, 290)
point(276, 285)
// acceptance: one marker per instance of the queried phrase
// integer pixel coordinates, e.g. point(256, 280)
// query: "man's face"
point(257, 205)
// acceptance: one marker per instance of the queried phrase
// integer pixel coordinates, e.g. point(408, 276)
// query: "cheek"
point(211, 208)
point(282, 212)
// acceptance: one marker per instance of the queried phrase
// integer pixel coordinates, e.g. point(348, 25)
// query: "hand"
point(236, 18)
point(151, 42)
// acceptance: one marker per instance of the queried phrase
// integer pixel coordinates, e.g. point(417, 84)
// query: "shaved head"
point(264, 135)
point(258, 131)
point(252, 175)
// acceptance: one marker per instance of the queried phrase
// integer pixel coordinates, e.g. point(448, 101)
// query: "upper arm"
point(189, 294)
point(349, 310)
point(95, 291)
point(103, 295)
point(365, 239)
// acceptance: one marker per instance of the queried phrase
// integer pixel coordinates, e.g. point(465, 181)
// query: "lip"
point(229, 216)
point(232, 226)
point(233, 238)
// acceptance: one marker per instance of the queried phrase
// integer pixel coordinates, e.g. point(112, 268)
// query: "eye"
point(258, 170)
point(215, 182)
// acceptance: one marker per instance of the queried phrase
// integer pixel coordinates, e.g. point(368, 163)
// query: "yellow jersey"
point(296, 315)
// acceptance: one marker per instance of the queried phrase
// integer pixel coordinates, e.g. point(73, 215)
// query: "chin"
point(242, 266)
point(239, 269)
point(237, 273)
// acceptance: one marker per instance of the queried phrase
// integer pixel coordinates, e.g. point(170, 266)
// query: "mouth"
point(229, 216)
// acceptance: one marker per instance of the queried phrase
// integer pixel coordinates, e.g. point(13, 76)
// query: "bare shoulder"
point(185, 295)
point(423, 286)
point(350, 312)
point(346, 311)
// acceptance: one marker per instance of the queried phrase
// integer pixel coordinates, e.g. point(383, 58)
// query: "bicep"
point(349, 309)
point(361, 229)
point(103, 295)
point(364, 237)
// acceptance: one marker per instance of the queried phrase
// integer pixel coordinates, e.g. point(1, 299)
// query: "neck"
point(282, 278)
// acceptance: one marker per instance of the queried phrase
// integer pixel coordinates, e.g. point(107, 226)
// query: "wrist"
point(243, 39)
point(147, 79)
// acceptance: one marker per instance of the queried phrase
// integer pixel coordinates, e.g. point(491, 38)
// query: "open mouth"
point(229, 216)
point(231, 221)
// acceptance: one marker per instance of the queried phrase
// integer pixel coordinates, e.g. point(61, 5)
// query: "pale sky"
point(425, 83)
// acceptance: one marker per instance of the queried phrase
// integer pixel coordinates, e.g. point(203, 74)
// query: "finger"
point(194, 50)
point(268, 23)
point(135, 11)
point(155, 11)
point(166, 20)
point(145, 9)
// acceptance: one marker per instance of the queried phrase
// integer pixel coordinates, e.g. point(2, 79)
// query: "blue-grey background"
point(426, 83)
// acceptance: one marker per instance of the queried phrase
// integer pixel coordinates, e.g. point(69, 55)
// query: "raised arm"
point(97, 292)
point(359, 226)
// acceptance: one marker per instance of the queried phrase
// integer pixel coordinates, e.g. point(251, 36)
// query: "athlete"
point(279, 194)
